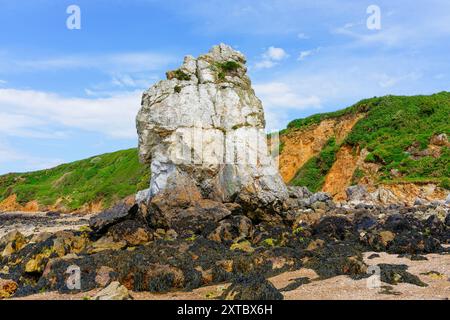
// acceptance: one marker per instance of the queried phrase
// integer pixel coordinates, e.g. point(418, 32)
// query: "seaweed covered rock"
point(252, 287)
point(395, 274)
point(336, 259)
point(120, 212)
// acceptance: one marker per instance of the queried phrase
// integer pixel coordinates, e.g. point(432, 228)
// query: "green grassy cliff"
point(107, 178)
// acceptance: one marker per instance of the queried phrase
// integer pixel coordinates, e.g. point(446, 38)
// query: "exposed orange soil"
point(10, 204)
point(300, 145)
point(340, 175)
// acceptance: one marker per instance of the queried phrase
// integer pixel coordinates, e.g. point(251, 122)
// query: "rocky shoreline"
point(124, 245)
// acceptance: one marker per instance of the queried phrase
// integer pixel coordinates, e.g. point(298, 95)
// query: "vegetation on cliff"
point(105, 178)
point(397, 131)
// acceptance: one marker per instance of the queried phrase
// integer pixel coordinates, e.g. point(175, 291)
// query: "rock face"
point(202, 130)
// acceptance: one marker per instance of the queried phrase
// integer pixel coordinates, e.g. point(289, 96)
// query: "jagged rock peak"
point(222, 64)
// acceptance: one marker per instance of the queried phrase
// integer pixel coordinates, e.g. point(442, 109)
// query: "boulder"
point(120, 212)
point(186, 213)
point(320, 196)
point(234, 228)
point(131, 231)
point(299, 192)
point(115, 291)
point(357, 194)
point(202, 130)
point(252, 287)
point(12, 242)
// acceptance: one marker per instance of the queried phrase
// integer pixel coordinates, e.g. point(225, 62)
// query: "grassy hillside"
point(108, 177)
point(392, 125)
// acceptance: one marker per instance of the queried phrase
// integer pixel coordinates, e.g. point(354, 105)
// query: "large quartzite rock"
point(202, 130)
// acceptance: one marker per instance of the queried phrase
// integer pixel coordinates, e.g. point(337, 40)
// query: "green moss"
point(178, 74)
point(177, 89)
point(269, 242)
point(191, 238)
point(226, 68)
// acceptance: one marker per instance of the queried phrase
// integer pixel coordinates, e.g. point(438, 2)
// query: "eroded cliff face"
point(300, 145)
point(202, 130)
point(340, 175)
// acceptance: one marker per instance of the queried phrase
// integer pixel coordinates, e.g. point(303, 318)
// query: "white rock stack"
point(203, 128)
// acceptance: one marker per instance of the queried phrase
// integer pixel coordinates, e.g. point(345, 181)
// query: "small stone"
point(243, 246)
point(115, 291)
point(313, 245)
point(320, 196)
point(107, 243)
point(35, 265)
point(7, 288)
point(419, 202)
point(386, 237)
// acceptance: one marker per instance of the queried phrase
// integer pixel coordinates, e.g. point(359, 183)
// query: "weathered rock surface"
point(252, 288)
point(7, 288)
point(114, 215)
point(115, 291)
point(203, 129)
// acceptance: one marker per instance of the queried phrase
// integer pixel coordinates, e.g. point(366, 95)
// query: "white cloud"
point(271, 58)
point(2, 82)
point(275, 54)
point(279, 99)
point(302, 36)
point(281, 95)
point(265, 64)
point(35, 114)
point(304, 54)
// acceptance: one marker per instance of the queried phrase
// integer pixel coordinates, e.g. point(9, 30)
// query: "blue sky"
point(70, 94)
